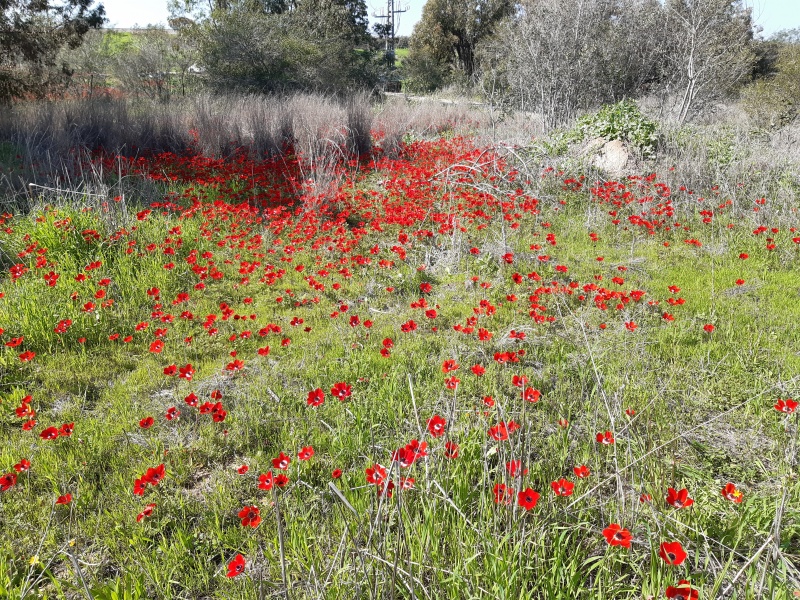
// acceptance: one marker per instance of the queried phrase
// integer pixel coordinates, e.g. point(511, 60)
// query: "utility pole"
point(389, 31)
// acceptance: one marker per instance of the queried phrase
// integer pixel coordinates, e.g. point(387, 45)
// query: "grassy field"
point(452, 374)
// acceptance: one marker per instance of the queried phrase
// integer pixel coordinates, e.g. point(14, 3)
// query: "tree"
point(710, 53)
point(773, 100)
point(150, 62)
point(314, 46)
point(279, 45)
point(31, 34)
point(203, 10)
point(448, 35)
point(91, 63)
point(565, 56)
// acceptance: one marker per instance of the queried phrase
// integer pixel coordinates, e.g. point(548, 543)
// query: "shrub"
point(773, 102)
point(620, 121)
point(254, 52)
point(423, 71)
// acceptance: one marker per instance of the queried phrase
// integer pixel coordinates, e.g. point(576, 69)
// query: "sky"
point(771, 15)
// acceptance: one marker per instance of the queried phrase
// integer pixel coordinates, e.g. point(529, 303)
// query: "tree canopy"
point(31, 34)
point(447, 37)
point(276, 45)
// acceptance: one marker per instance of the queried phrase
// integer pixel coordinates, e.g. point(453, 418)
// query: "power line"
point(391, 11)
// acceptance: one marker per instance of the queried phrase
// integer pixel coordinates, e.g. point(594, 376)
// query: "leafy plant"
point(620, 121)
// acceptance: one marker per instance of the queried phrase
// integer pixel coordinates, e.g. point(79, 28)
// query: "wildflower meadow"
point(433, 365)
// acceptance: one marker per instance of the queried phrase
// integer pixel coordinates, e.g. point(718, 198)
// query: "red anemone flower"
point(146, 423)
point(236, 365)
point(503, 494)
point(730, 492)
point(528, 498)
point(679, 499)
point(305, 453)
point(449, 365)
point(787, 406)
point(51, 433)
point(7, 481)
point(499, 432)
point(148, 510)
point(617, 536)
point(386, 488)
point(519, 380)
point(683, 591)
point(672, 553)
point(405, 456)
point(341, 390)
point(154, 475)
point(315, 397)
point(66, 429)
point(451, 449)
point(581, 472)
point(186, 372)
point(22, 466)
point(436, 426)
point(265, 481)
point(236, 566)
point(250, 516)
point(562, 487)
point(376, 474)
point(515, 468)
point(282, 462)
point(64, 500)
point(531, 395)
point(606, 438)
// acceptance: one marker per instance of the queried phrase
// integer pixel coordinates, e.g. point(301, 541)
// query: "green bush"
point(620, 121)
point(773, 102)
point(307, 49)
point(423, 72)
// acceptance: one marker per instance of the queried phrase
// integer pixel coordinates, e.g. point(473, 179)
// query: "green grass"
point(400, 55)
point(703, 407)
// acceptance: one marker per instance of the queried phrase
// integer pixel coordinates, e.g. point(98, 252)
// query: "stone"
point(613, 158)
